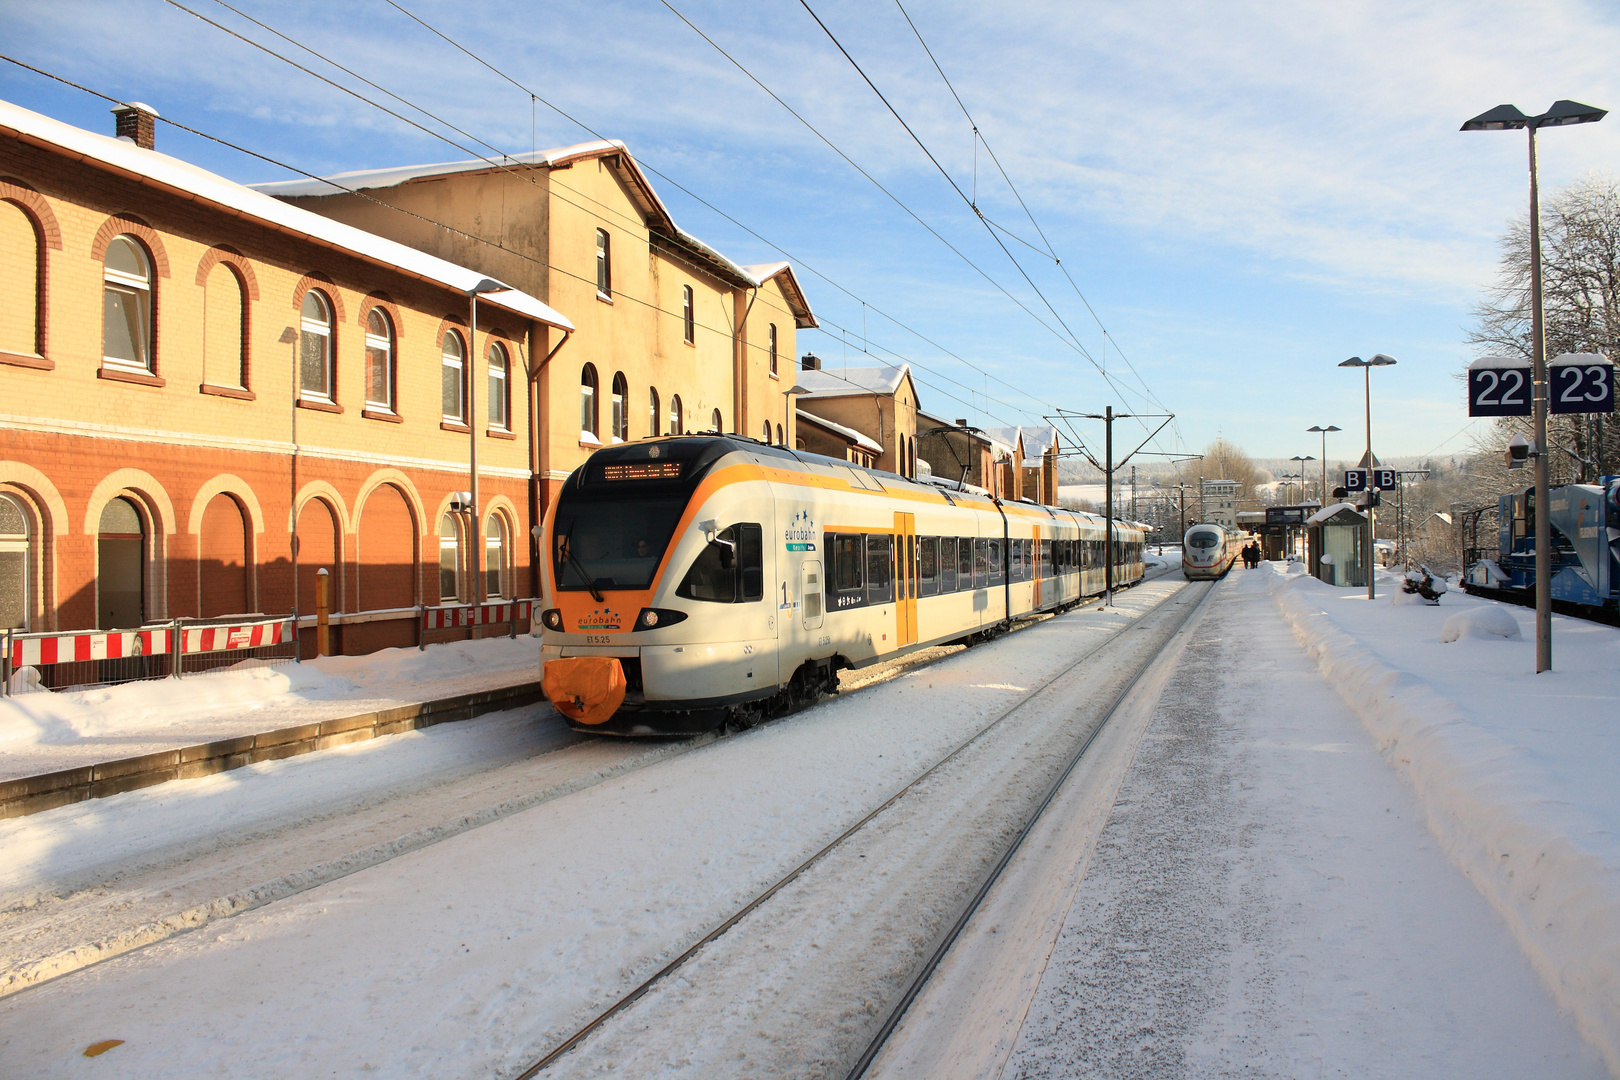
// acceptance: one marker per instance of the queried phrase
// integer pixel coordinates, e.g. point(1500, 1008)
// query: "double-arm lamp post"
point(1366, 366)
point(1299, 463)
point(1323, 431)
point(1509, 118)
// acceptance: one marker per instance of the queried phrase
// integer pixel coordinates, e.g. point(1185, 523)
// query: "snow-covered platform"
point(131, 729)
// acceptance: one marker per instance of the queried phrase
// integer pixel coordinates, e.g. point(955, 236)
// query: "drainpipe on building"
point(739, 362)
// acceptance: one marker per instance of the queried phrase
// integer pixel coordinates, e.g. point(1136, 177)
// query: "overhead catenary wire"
point(732, 220)
point(724, 331)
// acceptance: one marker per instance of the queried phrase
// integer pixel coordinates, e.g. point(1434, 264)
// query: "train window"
point(964, 562)
point(751, 562)
point(847, 556)
point(908, 580)
point(713, 575)
point(927, 565)
point(879, 569)
point(947, 564)
point(996, 574)
point(981, 562)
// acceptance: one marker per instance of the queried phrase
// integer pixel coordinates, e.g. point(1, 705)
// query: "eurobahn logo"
point(600, 619)
point(800, 534)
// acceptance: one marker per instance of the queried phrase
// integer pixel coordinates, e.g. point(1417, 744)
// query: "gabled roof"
point(782, 272)
point(839, 429)
point(202, 187)
point(881, 380)
point(618, 159)
point(1030, 441)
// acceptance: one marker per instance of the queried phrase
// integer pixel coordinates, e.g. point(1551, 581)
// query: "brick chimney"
point(811, 362)
point(137, 123)
point(961, 421)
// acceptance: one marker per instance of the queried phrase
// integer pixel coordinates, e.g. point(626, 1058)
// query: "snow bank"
point(1513, 769)
point(1481, 622)
point(128, 719)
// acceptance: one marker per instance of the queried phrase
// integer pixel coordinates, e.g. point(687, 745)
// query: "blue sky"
point(1245, 193)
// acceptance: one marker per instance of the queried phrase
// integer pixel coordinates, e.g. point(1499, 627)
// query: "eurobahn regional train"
point(1207, 552)
point(698, 580)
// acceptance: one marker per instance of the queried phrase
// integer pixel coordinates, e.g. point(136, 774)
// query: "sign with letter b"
point(1383, 479)
point(1355, 480)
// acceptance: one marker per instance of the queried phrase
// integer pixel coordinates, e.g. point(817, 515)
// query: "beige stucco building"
point(671, 335)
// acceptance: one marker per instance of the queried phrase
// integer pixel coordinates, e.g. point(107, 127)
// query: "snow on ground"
point(1514, 771)
point(469, 957)
point(1266, 901)
point(43, 731)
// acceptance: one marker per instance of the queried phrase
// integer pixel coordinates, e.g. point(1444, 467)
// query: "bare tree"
point(1580, 251)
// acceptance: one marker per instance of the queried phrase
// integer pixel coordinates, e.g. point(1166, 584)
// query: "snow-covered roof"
point(839, 429)
point(198, 184)
point(884, 379)
point(1499, 362)
point(1330, 511)
point(788, 281)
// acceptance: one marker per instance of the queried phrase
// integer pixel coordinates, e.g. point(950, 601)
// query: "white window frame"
point(604, 265)
point(497, 549)
point(21, 543)
point(499, 364)
point(139, 289)
point(457, 363)
point(590, 417)
point(620, 418)
point(325, 333)
point(385, 344)
point(452, 544)
point(688, 316)
point(774, 374)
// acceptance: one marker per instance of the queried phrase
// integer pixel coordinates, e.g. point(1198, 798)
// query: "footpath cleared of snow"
point(1265, 901)
point(42, 731)
point(474, 955)
point(1515, 771)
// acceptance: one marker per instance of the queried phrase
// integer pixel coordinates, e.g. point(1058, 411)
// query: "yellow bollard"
point(322, 642)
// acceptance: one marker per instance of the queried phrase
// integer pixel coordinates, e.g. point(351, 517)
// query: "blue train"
point(1585, 520)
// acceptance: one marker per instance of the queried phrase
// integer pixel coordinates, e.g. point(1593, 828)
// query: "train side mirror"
point(1518, 452)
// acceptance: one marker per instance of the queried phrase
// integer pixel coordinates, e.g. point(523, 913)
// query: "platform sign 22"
point(1499, 386)
point(1581, 383)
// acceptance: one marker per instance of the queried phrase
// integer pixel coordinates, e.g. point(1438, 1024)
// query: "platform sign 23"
point(1581, 383)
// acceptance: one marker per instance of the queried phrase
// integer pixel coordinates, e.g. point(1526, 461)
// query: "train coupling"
point(586, 689)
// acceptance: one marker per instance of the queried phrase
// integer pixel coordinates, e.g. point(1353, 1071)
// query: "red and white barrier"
point(35, 650)
point(68, 648)
point(451, 618)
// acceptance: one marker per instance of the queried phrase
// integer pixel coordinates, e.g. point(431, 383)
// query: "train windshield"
point(1202, 540)
point(618, 512)
point(612, 545)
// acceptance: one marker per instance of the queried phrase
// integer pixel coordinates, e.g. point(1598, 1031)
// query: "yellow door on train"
point(905, 578)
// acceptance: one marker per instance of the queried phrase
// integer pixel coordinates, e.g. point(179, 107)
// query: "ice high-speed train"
point(1207, 552)
point(698, 579)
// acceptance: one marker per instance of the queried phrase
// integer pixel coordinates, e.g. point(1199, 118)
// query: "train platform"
point(57, 748)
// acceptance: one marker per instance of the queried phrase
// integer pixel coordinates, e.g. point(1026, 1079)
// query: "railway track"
point(1029, 773)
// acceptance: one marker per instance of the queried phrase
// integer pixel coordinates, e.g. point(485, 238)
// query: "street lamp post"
point(1323, 431)
point(1299, 463)
point(1509, 118)
point(787, 408)
point(1366, 366)
point(475, 553)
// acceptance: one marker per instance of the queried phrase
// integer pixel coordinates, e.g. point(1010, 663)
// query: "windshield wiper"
point(584, 575)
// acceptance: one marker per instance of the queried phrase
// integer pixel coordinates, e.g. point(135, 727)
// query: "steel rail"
point(947, 939)
point(718, 931)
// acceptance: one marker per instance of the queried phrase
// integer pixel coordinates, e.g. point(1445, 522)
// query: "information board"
point(1581, 383)
point(1499, 386)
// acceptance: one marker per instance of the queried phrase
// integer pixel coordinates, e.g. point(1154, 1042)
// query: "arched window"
point(15, 559)
point(315, 347)
point(126, 337)
point(449, 559)
point(453, 378)
point(496, 571)
point(379, 360)
point(589, 417)
point(19, 301)
point(715, 424)
point(500, 401)
point(621, 421)
point(604, 266)
point(773, 348)
point(224, 328)
point(688, 316)
point(779, 440)
point(120, 567)
point(652, 412)
point(767, 437)
point(675, 415)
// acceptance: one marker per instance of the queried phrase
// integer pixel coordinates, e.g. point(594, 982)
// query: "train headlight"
point(654, 617)
point(551, 619)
